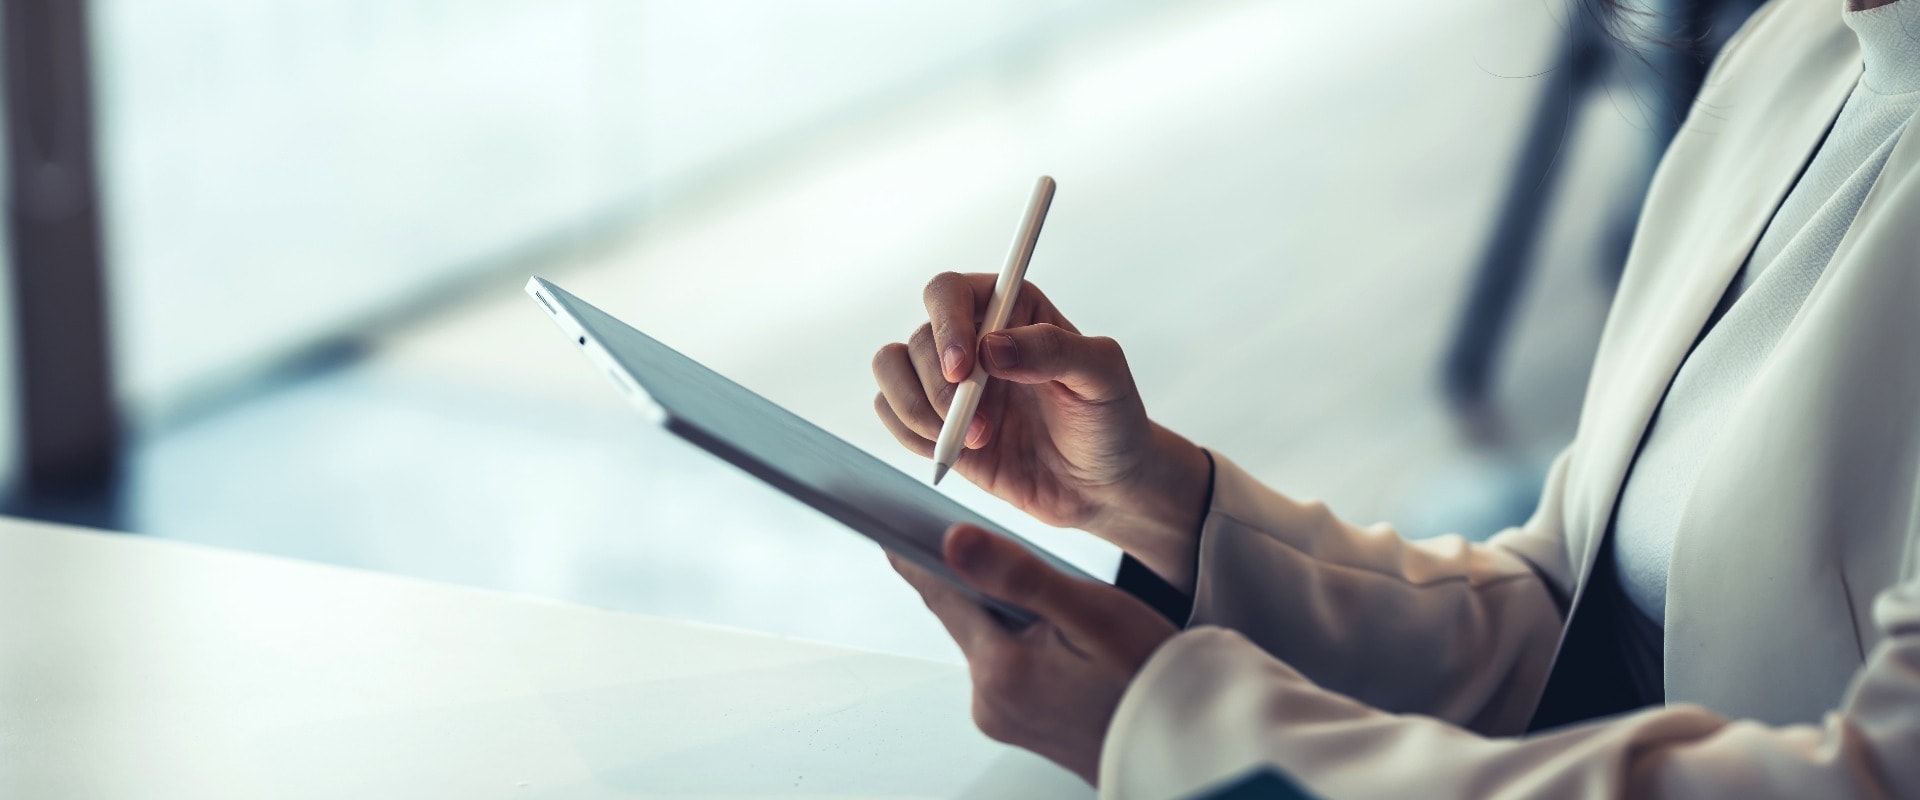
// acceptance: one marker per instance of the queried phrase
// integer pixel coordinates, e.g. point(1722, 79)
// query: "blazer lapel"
point(1766, 108)
point(1737, 196)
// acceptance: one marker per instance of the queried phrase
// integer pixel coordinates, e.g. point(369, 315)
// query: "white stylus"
point(966, 398)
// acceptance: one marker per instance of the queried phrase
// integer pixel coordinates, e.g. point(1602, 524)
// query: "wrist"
point(1155, 514)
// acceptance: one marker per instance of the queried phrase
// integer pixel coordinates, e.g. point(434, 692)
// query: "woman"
point(1719, 595)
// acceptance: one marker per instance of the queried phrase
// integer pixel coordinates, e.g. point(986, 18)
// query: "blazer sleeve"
point(1460, 631)
point(1209, 706)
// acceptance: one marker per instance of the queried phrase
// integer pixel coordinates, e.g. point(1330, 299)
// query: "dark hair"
point(1628, 25)
point(1686, 30)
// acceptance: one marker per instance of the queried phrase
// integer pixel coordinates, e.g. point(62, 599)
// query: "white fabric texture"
point(1364, 665)
point(1789, 259)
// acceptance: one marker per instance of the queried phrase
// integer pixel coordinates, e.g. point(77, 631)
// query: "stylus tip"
point(939, 471)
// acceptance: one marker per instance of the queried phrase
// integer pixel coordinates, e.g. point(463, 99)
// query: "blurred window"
point(277, 173)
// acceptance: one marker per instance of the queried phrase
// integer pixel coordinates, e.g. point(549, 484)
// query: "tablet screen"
point(824, 471)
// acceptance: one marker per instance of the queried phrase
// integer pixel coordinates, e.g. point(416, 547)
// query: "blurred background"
point(266, 261)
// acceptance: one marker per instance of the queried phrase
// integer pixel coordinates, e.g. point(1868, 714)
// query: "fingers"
point(917, 396)
point(918, 379)
point(954, 301)
point(972, 628)
point(926, 364)
point(940, 393)
point(901, 433)
point(1000, 568)
point(905, 394)
point(1095, 618)
point(1090, 366)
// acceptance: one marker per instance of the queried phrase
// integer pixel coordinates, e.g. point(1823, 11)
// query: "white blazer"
point(1368, 666)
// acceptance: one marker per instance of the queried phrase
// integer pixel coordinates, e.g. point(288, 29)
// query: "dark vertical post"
point(69, 431)
point(1495, 293)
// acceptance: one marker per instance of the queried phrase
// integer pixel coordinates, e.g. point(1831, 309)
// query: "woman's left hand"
point(1053, 687)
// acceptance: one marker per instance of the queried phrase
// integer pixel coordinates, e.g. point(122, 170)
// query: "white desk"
point(137, 668)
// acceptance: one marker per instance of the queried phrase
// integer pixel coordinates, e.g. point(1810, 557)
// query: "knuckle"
point(941, 285)
point(1044, 343)
point(888, 355)
point(1047, 330)
point(922, 337)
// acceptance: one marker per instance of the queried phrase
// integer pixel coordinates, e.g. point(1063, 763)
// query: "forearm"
point(1442, 627)
point(1208, 706)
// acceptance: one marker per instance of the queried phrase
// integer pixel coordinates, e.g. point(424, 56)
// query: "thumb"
point(1005, 570)
point(1090, 366)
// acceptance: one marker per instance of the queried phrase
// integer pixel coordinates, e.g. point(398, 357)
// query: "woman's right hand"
point(1061, 433)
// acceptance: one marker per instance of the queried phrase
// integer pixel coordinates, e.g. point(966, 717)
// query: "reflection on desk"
point(141, 668)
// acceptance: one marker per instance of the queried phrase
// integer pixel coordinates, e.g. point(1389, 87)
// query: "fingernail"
point(950, 362)
point(1000, 350)
point(977, 431)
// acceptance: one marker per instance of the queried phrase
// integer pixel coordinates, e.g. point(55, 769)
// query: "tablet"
point(901, 513)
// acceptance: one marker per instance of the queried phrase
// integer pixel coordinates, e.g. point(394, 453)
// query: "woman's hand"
point(1061, 434)
point(1053, 687)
